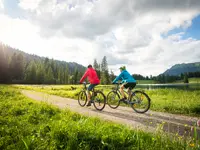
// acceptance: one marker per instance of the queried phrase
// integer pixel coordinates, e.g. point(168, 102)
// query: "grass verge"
point(26, 124)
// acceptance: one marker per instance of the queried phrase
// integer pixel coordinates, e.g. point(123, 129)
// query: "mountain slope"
point(19, 67)
point(9, 51)
point(183, 68)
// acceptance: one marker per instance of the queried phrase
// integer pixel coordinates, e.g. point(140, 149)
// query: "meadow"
point(26, 124)
point(176, 101)
point(191, 80)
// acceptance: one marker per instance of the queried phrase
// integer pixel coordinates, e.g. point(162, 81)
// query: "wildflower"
point(191, 144)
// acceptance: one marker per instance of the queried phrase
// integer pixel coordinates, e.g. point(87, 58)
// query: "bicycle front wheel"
point(140, 102)
point(99, 100)
point(82, 98)
point(113, 99)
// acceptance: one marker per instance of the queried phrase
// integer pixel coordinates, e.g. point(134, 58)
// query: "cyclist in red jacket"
point(93, 79)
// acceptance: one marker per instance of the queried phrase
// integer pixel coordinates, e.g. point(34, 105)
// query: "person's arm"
point(117, 78)
point(84, 76)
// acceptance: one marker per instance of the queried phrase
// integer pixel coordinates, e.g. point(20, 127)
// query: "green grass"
point(26, 124)
point(194, 80)
point(164, 100)
point(191, 80)
point(175, 101)
point(146, 82)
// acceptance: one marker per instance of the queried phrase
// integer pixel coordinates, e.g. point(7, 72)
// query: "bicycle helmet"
point(122, 68)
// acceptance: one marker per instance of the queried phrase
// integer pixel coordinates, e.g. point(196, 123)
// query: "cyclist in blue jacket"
point(127, 81)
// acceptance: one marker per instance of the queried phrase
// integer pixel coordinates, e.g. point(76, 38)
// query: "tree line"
point(169, 79)
point(22, 68)
point(19, 67)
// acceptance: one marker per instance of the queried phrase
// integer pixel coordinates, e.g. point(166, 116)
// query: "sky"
point(147, 36)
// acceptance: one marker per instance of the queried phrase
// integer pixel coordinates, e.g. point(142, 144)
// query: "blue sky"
point(12, 9)
point(191, 32)
point(129, 33)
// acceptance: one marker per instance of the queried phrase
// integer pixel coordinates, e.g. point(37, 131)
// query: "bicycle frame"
point(85, 88)
point(116, 89)
point(135, 98)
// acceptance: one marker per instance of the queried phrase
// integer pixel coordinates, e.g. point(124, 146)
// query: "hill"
point(17, 66)
point(183, 68)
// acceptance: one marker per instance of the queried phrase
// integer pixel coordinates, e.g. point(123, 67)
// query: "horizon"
point(147, 37)
point(99, 62)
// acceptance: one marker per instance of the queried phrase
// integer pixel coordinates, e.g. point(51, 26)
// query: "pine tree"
point(49, 77)
point(185, 80)
point(112, 76)
point(40, 74)
point(30, 75)
point(96, 66)
point(66, 75)
point(4, 74)
point(104, 71)
point(17, 67)
point(76, 76)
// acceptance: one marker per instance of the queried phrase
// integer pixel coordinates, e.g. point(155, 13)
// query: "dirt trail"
point(148, 121)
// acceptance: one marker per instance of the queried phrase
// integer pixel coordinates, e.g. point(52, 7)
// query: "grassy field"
point(194, 80)
point(26, 124)
point(191, 80)
point(163, 100)
point(146, 82)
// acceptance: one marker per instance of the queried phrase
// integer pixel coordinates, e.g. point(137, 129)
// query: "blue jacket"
point(124, 77)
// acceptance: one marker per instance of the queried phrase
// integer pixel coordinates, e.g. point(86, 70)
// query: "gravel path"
point(150, 121)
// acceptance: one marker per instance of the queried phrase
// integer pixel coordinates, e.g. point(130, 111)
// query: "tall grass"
point(165, 100)
point(175, 101)
point(26, 125)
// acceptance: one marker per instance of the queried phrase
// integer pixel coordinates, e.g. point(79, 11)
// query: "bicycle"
point(135, 98)
point(97, 98)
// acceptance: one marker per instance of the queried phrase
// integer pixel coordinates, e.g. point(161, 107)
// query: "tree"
point(66, 75)
point(49, 78)
point(30, 75)
point(40, 74)
point(185, 80)
point(96, 66)
point(17, 67)
point(76, 76)
point(4, 74)
point(112, 76)
point(104, 71)
point(71, 79)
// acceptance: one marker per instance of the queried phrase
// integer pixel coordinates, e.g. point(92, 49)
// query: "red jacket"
point(92, 76)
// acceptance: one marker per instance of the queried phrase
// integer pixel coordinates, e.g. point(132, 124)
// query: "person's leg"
point(90, 87)
point(129, 92)
point(130, 86)
point(88, 95)
point(122, 91)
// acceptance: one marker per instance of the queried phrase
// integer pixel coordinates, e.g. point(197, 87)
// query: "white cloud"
point(29, 4)
point(1, 5)
point(128, 33)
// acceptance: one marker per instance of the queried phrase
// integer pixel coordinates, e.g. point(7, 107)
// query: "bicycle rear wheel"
point(99, 100)
point(140, 102)
point(113, 99)
point(82, 98)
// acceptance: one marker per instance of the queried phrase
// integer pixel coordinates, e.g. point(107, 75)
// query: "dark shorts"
point(91, 86)
point(129, 85)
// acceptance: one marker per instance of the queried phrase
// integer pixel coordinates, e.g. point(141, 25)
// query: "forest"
point(22, 68)
point(18, 67)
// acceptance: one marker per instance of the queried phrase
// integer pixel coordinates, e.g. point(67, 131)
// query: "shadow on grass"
point(196, 110)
